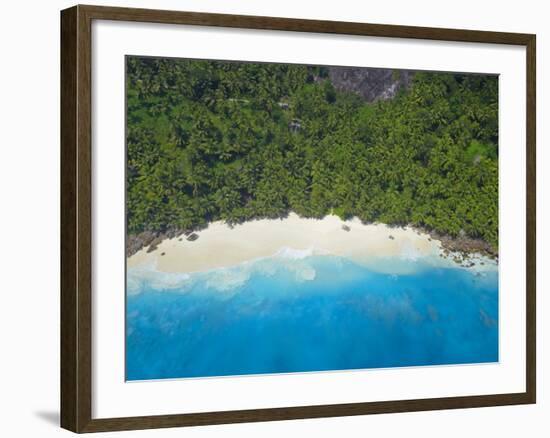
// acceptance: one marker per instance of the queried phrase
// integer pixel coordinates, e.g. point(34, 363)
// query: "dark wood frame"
point(76, 218)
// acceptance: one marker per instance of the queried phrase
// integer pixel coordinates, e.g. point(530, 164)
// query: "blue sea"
point(314, 313)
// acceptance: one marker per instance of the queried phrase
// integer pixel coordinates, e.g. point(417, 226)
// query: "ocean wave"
point(230, 279)
point(294, 254)
point(147, 276)
point(227, 279)
point(299, 263)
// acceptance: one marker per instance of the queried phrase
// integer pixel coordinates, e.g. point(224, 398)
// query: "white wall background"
point(29, 196)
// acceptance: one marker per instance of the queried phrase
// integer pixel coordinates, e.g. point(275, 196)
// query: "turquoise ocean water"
point(312, 313)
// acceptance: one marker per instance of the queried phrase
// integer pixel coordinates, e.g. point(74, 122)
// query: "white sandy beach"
point(221, 246)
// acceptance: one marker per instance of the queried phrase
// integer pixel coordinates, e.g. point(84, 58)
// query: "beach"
point(371, 245)
point(300, 295)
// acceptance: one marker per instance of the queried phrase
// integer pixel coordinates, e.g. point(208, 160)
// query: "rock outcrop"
point(135, 242)
point(372, 84)
point(150, 240)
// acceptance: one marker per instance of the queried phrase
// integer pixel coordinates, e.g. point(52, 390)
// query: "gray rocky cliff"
point(372, 84)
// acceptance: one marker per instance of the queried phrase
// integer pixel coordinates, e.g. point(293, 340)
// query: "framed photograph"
point(270, 218)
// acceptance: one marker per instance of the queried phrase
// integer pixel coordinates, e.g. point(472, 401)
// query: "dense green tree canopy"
point(210, 140)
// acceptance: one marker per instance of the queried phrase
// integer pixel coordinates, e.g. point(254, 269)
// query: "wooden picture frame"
point(76, 218)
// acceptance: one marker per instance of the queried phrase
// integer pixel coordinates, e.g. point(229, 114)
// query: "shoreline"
point(221, 246)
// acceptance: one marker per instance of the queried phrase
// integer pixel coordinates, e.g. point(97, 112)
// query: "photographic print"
point(285, 218)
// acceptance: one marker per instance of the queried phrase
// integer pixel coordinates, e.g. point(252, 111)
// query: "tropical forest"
point(234, 141)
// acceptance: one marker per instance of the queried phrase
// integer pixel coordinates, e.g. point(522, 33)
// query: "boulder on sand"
point(192, 237)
